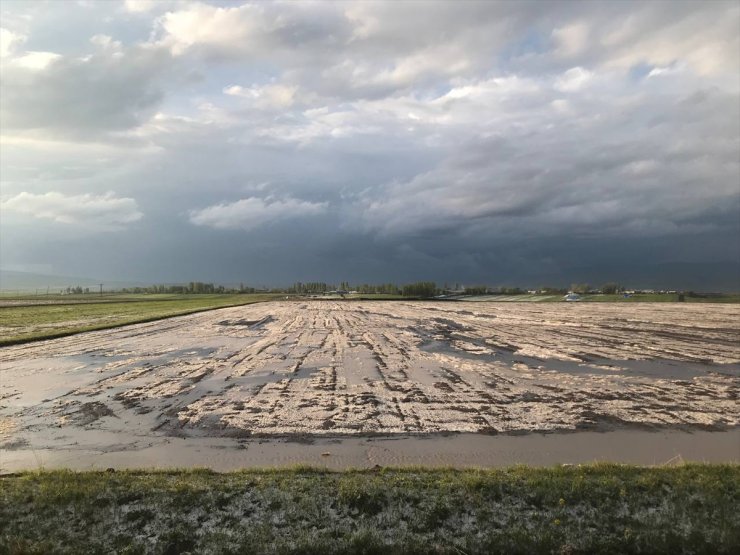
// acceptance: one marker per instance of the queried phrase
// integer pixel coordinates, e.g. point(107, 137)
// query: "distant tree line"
point(610, 288)
point(76, 290)
point(310, 287)
point(476, 290)
point(419, 289)
point(423, 289)
point(382, 289)
point(194, 287)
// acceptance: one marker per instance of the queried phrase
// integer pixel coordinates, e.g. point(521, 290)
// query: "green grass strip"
point(603, 508)
point(23, 324)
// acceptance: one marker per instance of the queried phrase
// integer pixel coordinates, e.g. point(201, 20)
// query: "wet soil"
point(342, 369)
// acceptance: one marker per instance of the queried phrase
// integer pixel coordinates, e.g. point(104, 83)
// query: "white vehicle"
point(572, 297)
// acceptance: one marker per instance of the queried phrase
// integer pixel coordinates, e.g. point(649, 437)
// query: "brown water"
point(460, 450)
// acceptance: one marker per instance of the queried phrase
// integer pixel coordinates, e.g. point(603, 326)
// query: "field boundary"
point(113, 325)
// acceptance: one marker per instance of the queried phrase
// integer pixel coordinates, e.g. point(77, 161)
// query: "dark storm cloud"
point(484, 142)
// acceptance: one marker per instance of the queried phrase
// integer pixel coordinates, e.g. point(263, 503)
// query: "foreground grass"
point(20, 324)
point(588, 509)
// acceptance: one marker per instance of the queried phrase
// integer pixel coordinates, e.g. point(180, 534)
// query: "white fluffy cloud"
point(35, 60)
point(266, 96)
point(215, 27)
point(105, 211)
point(573, 80)
point(8, 41)
point(253, 212)
point(139, 6)
point(51, 95)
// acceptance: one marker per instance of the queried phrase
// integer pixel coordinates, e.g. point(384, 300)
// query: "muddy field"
point(332, 369)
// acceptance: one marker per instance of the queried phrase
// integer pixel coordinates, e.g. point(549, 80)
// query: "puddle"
point(246, 323)
point(663, 369)
point(459, 450)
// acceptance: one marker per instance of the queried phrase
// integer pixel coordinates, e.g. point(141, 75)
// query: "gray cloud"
point(59, 96)
point(585, 171)
point(408, 140)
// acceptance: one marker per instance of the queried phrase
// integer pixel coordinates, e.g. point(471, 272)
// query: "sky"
point(499, 143)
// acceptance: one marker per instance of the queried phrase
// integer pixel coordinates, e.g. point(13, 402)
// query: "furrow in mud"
point(343, 368)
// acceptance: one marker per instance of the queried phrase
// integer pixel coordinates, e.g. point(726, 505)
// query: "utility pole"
point(101, 289)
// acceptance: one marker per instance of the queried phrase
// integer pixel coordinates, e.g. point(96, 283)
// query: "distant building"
point(453, 292)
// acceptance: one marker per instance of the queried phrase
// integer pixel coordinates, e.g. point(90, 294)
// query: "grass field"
point(67, 315)
point(585, 509)
point(636, 298)
point(663, 298)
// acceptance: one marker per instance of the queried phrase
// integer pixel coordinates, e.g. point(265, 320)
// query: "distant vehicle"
point(572, 297)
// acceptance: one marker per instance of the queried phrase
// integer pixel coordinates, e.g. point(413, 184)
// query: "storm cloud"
point(523, 143)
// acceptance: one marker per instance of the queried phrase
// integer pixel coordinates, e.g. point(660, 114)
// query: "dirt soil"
point(333, 369)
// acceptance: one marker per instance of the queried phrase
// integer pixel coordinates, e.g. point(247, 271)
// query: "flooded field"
point(324, 371)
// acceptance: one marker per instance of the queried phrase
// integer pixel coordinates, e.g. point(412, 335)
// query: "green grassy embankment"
point(602, 508)
point(30, 322)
